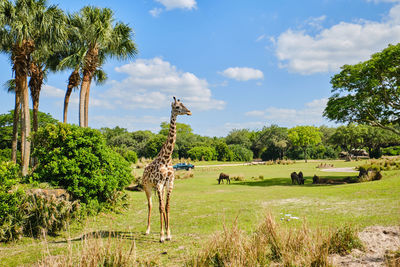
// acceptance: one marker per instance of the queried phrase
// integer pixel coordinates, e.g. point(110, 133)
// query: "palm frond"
point(9, 86)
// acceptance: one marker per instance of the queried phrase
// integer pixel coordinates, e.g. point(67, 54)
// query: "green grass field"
point(200, 207)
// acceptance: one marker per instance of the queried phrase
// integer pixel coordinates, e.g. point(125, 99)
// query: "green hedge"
point(11, 219)
point(78, 160)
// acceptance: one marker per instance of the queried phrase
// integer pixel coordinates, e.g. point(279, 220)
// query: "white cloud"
point(343, 43)
point(151, 83)
point(51, 91)
point(183, 4)
point(173, 4)
point(311, 114)
point(155, 12)
point(54, 92)
point(261, 37)
point(243, 74)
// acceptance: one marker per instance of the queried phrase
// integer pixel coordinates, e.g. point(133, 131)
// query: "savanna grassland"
point(200, 207)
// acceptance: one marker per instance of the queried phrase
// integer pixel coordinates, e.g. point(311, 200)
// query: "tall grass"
point(272, 244)
point(93, 251)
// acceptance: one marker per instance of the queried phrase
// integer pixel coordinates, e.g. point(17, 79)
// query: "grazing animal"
point(315, 179)
point(301, 179)
point(159, 174)
point(222, 177)
point(295, 177)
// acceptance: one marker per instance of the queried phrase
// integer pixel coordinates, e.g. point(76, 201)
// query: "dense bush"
point(5, 154)
point(223, 152)
point(11, 219)
point(241, 153)
point(391, 151)
point(128, 154)
point(78, 160)
point(202, 153)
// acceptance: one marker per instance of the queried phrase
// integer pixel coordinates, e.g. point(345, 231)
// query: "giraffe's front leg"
point(149, 204)
point(169, 192)
point(160, 193)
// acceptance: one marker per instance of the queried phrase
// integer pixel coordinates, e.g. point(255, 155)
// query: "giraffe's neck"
point(166, 151)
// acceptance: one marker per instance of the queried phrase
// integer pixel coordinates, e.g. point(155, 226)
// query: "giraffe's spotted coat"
point(159, 174)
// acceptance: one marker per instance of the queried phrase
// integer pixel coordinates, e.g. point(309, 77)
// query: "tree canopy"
point(368, 92)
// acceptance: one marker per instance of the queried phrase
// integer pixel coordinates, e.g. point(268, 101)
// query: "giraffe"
point(159, 174)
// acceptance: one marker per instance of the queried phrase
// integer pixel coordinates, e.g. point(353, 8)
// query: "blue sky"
point(235, 64)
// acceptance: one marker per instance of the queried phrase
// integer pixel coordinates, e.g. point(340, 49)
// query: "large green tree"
point(304, 137)
point(368, 92)
point(349, 137)
point(98, 37)
point(26, 25)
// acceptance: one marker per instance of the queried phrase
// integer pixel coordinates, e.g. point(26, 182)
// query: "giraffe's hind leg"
point(160, 193)
point(170, 186)
point(147, 190)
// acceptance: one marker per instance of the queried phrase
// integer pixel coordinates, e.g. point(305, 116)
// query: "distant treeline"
point(269, 143)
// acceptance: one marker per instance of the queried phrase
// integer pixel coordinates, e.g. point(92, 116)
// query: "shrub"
point(343, 240)
point(202, 153)
point(129, 155)
point(223, 152)
point(5, 154)
point(391, 151)
point(238, 177)
point(11, 217)
point(241, 153)
point(47, 214)
point(78, 160)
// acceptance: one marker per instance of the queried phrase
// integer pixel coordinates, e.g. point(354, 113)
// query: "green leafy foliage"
point(11, 219)
point(241, 153)
point(202, 153)
point(6, 125)
point(78, 160)
point(391, 151)
point(223, 152)
point(368, 92)
point(128, 154)
point(304, 136)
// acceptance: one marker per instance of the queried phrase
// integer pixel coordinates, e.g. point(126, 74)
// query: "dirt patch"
point(377, 240)
point(347, 169)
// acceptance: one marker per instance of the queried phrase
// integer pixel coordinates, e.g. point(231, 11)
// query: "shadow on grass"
point(137, 236)
point(288, 181)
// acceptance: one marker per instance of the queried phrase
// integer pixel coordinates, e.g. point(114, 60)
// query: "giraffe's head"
point(179, 109)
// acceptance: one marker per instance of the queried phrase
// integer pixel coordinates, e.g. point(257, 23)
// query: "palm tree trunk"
point(26, 126)
point(73, 81)
point(87, 104)
point(66, 102)
point(82, 98)
point(22, 132)
point(35, 119)
point(14, 144)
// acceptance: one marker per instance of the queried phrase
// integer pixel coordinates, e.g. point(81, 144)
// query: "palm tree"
point(101, 38)
point(10, 87)
point(26, 26)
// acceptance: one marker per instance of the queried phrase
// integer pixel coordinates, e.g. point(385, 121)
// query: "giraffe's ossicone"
point(159, 174)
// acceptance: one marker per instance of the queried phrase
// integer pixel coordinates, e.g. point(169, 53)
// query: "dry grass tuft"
point(272, 244)
point(237, 177)
point(392, 258)
point(94, 251)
